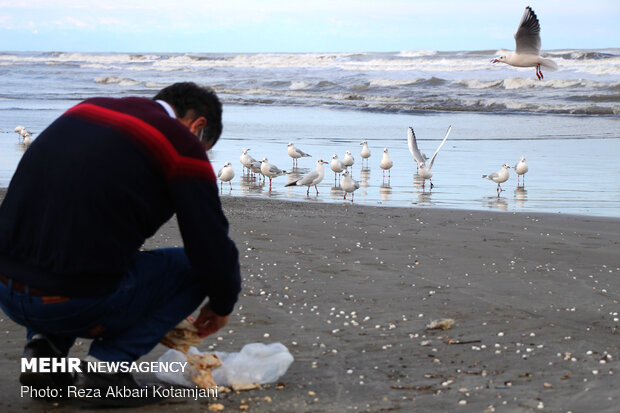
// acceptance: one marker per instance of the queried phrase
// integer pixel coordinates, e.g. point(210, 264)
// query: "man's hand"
point(208, 322)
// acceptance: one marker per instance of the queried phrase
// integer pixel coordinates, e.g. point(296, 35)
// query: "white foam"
point(299, 85)
point(391, 82)
point(477, 84)
point(417, 53)
point(111, 80)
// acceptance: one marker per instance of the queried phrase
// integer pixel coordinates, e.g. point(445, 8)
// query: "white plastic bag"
point(255, 363)
point(181, 378)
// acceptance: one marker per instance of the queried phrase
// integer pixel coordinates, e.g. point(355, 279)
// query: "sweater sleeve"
point(204, 229)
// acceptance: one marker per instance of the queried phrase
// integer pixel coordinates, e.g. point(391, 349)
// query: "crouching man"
point(92, 187)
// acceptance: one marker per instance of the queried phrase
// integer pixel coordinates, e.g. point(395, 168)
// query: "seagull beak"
point(495, 60)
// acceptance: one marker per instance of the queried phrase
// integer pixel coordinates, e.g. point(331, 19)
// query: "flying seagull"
point(527, 51)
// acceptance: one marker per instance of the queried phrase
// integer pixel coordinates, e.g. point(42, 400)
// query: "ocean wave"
point(441, 103)
point(391, 83)
point(477, 83)
point(404, 60)
point(324, 84)
point(581, 54)
point(113, 80)
point(155, 85)
point(528, 83)
point(417, 53)
point(300, 85)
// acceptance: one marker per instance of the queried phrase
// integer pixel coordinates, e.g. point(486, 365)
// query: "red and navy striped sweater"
point(95, 184)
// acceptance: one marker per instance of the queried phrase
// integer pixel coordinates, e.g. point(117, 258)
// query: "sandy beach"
point(350, 289)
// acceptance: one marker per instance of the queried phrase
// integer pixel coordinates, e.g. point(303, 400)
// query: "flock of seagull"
point(526, 54)
point(347, 183)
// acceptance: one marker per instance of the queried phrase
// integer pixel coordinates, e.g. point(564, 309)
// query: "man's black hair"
point(202, 100)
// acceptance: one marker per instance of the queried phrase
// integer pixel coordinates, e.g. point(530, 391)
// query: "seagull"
point(365, 152)
point(255, 167)
point(295, 153)
point(527, 51)
point(423, 171)
point(24, 133)
point(337, 166)
point(270, 171)
point(499, 177)
point(246, 159)
point(348, 184)
point(312, 178)
point(521, 168)
point(386, 163)
point(348, 160)
point(226, 174)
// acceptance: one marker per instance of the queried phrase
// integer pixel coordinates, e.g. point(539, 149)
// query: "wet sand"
point(350, 289)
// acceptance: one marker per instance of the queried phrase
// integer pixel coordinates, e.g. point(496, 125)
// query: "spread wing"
point(413, 147)
point(527, 37)
point(430, 165)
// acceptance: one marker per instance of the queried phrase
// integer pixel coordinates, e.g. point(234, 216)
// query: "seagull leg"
point(230, 183)
point(539, 74)
point(220, 186)
point(308, 192)
point(317, 189)
point(345, 195)
point(499, 190)
point(431, 183)
point(270, 184)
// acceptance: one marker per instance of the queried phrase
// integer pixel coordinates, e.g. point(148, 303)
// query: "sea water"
point(566, 126)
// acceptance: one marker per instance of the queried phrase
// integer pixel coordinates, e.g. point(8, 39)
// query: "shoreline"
point(350, 289)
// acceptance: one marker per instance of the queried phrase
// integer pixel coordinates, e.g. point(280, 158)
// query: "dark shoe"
point(112, 390)
point(39, 346)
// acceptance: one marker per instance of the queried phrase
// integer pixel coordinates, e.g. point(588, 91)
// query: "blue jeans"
point(159, 291)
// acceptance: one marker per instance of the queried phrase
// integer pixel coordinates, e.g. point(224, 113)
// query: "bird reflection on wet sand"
point(520, 196)
point(496, 203)
point(385, 191)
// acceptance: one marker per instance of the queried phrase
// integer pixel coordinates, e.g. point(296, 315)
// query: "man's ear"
point(197, 125)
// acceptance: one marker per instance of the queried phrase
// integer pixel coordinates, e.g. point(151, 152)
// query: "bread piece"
point(182, 337)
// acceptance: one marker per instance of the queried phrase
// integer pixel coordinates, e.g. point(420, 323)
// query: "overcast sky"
point(299, 26)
